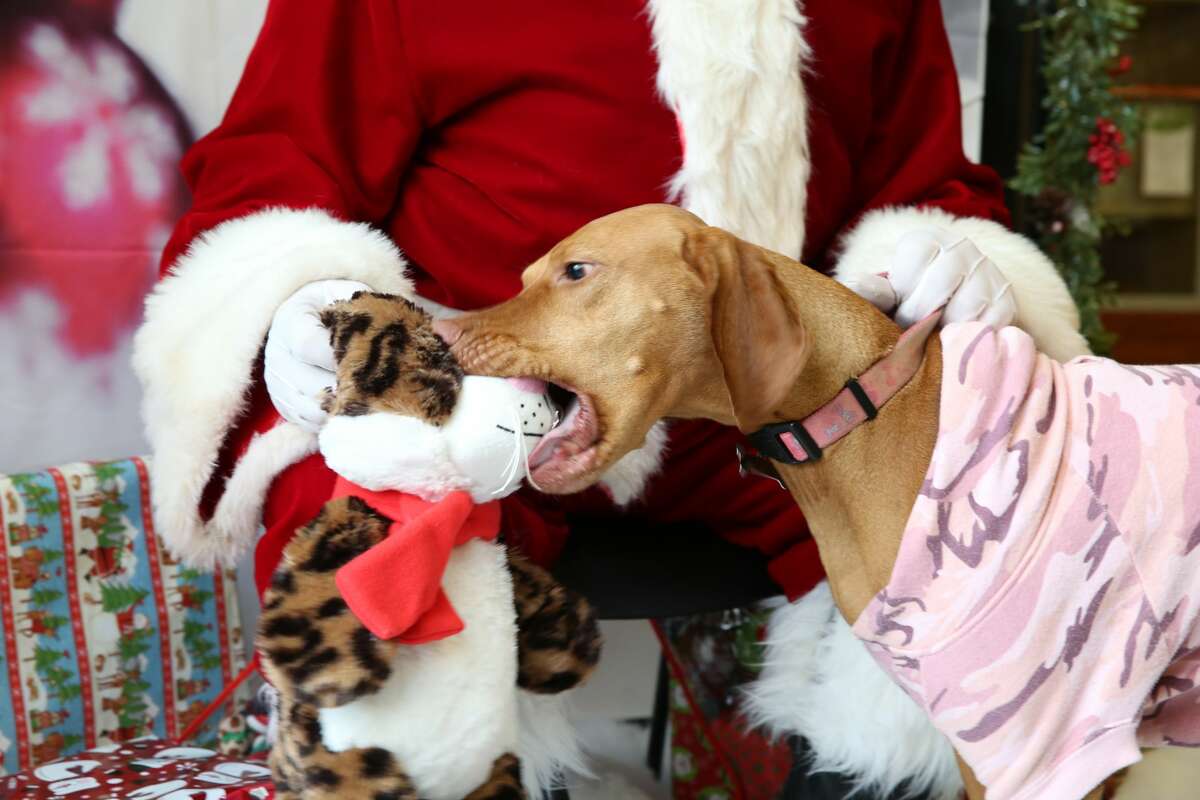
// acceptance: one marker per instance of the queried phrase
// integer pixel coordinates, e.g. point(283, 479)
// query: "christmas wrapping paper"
point(147, 769)
point(106, 638)
point(715, 755)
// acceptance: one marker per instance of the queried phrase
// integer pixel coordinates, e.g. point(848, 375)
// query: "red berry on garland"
point(1107, 152)
point(1121, 66)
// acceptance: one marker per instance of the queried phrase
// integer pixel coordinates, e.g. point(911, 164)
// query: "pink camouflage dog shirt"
point(1043, 605)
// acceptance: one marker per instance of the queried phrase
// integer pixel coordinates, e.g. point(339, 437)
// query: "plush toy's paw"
point(504, 783)
point(303, 769)
point(558, 640)
point(313, 649)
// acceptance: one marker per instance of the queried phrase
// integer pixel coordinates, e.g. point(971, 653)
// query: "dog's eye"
point(576, 270)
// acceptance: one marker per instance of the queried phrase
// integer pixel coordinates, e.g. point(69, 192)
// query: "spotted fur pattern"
point(558, 640)
point(303, 768)
point(315, 652)
point(389, 359)
point(312, 648)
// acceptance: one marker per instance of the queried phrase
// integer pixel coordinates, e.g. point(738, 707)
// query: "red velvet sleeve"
point(324, 116)
point(914, 155)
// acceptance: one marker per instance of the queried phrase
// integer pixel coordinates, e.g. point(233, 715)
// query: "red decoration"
point(1107, 151)
point(1121, 66)
point(414, 555)
point(143, 768)
point(90, 174)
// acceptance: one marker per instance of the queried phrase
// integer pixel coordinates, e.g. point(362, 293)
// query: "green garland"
point(1081, 146)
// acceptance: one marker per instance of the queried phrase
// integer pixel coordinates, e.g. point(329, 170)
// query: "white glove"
point(933, 267)
point(298, 359)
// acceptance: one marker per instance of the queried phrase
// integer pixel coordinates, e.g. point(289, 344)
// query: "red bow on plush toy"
point(395, 588)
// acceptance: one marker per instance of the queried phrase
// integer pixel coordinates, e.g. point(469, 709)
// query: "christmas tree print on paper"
point(135, 643)
point(201, 643)
point(134, 717)
point(106, 471)
point(102, 513)
point(44, 658)
point(117, 597)
point(39, 499)
point(62, 683)
point(42, 596)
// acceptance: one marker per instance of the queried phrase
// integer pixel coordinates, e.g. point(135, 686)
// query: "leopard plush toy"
point(453, 699)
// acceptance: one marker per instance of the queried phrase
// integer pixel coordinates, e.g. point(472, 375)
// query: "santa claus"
point(456, 142)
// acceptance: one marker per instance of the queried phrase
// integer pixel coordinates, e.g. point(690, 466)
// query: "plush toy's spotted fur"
point(315, 652)
point(389, 359)
point(557, 637)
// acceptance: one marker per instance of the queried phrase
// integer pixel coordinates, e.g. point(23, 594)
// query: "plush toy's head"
point(404, 417)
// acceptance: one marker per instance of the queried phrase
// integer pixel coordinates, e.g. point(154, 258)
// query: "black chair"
point(619, 567)
point(634, 570)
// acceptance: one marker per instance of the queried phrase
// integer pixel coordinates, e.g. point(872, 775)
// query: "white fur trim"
point(548, 744)
point(732, 71)
point(195, 352)
point(449, 708)
point(820, 682)
point(626, 479)
point(239, 510)
point(1045, 309)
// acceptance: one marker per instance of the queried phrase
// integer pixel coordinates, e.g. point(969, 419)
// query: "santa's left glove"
point(298, 360)
point(932, 267)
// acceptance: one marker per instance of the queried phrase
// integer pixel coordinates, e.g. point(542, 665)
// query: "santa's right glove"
point(931, 268)
point(298, 360)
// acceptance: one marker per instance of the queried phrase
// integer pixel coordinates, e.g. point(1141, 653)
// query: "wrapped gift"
point(107, 637)
point(145, 769)
point(715, 754)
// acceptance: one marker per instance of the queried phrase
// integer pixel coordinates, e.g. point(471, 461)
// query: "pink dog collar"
point(799, 441)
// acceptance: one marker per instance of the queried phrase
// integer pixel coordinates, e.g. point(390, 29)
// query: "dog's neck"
point(858, 497)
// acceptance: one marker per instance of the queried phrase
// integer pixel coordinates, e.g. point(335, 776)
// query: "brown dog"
point(649, 313)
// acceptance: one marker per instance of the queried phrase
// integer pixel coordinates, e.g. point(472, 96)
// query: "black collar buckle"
point(768, 440)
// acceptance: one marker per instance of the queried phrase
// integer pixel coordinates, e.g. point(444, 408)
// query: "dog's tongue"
point(555, 439)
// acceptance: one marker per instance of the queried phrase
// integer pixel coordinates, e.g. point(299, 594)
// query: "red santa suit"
point(471, 138)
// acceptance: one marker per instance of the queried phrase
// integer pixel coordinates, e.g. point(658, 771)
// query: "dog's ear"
point(758, 337)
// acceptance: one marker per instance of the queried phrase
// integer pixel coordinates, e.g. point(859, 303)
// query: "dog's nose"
point(450, 331)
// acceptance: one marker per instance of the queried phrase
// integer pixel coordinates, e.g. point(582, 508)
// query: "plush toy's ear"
point(759, 340)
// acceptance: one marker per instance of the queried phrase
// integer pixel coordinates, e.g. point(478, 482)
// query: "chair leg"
point(658, 722)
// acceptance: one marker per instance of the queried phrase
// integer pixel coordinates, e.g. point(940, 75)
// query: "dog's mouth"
point(569, 450)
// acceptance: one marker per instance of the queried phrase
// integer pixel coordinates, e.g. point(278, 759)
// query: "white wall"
point(197, 49)
point(966, 22)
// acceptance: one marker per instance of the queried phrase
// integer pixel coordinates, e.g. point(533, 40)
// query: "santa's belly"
point(448, 710)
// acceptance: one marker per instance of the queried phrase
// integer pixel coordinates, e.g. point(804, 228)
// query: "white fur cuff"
point(1045, 309)
point(194, 354)
point(820, 682)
